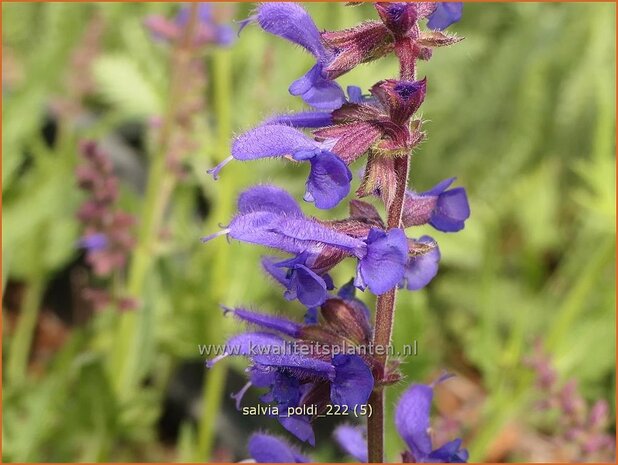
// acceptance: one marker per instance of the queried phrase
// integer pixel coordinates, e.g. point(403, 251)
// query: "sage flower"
point(292, 22)
point(338, 52)
point(269, 216)
point(445, 210)
point(306, 364)
point(329, 177)
point(445, 14)
point(413, 423)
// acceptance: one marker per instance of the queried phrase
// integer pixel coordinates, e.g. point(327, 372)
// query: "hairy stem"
point(385, 314)
point(161, 182)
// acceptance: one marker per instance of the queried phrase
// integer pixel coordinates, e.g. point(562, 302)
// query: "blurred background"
point(522, 112)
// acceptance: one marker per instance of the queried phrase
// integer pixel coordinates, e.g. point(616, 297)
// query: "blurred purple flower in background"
point(209, 31)
point(582, 426)
point(353, 440)
point(108, 236)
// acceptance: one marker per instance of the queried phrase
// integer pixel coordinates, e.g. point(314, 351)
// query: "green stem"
point(385, 314)
point(161, 182)
point(214, 379)
point(214, 386)
point(574, 303)
point(24, 333)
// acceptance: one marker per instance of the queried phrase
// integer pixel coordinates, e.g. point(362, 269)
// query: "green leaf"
point(123, 85)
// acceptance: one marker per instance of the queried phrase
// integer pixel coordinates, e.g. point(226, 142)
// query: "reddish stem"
point(385, 314)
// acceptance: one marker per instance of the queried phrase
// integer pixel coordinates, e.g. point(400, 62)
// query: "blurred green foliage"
point(522, 111)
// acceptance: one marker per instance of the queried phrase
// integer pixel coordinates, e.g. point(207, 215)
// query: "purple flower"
point(381, 122)
point(423, 267)
point(306, 364)
point(329, 177)
point(268, 198)
point(96, 241)
point(269, 216)
point(446, 210)
point(303, 119)
point(384, 258)
point(337, 52)
point(291, 22)
point(381, 127)
point(400, 18)
point(397, 32)
point(208, 30)
point(265, 448)
point(318, 119)
point(353, 441)
point(300, 281)
point(445, 14)
point(412, 419)
point(311, 316)
point(280, 325)
point(424, 254)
